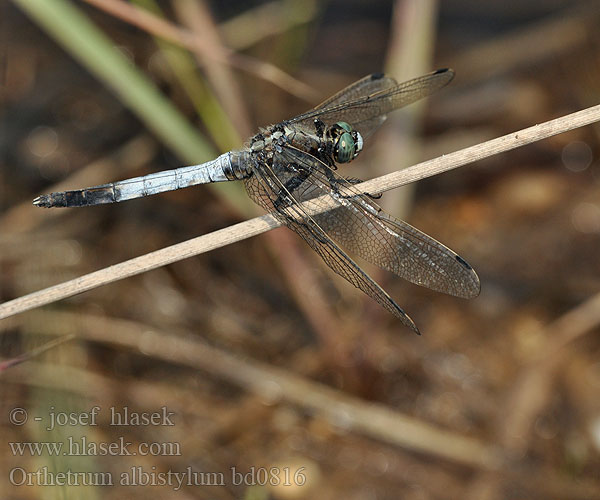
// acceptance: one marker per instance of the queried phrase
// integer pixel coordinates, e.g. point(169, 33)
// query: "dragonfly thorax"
point(347, 143)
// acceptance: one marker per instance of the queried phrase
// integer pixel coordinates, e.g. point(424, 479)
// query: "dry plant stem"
point(533, 44)
point(273, 385)
point(169, 31)
point(277, 385)
point(409, 52)
point(9, 363)
point(197, 18)
point(264, 223)
point(533, 389)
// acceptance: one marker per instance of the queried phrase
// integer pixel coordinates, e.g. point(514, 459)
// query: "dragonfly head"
point(347, 143)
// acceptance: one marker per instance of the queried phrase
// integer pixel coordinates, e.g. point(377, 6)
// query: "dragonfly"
point(291, 163)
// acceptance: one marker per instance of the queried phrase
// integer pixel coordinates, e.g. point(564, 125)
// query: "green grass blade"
point(95, 51)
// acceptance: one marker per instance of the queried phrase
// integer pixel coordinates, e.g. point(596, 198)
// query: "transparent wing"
point(269, 190)
point(365, 103)
point(360, 226)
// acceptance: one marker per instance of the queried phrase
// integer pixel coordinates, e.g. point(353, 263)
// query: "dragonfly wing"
point(369, 85)
point(365, 103)
point(268, 190)
point(360, 226)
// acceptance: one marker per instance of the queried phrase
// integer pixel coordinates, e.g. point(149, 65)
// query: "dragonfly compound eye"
point(347, 142)
point(345, 148)
point(345, 126)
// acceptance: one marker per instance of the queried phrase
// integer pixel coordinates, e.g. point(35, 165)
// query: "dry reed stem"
point(274, 385)
point(264, 223)
point(167, 30)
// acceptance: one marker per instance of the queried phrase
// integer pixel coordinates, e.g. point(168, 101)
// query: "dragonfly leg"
point(319, 127)
point(336, 182)
point(289, 187)
point(356, 180)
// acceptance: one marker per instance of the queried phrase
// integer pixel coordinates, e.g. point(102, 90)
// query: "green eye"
point(345, 147)
point(345, 126)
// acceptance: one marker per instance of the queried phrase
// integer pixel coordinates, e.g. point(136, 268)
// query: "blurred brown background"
point(267, 358)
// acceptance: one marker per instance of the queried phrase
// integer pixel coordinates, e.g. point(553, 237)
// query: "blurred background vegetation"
point(266, 357)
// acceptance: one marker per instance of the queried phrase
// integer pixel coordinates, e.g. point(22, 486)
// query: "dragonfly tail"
point(218, 170)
